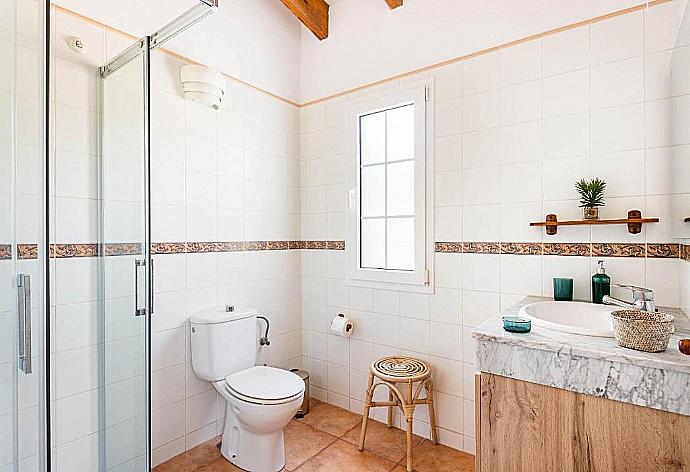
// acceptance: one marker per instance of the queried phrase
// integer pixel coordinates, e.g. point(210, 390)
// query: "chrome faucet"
point(643, 299)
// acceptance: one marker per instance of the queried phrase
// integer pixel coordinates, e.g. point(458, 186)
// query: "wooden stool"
point(393, 370)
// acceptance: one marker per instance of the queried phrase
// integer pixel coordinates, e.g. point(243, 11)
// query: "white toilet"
point(260, 400)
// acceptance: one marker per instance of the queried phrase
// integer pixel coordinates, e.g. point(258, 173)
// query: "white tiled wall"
point(229, 175)
point(514, 129)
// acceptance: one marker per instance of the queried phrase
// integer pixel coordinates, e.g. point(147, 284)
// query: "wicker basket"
point(641, 330)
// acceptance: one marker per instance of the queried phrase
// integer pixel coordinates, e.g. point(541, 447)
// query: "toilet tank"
point(223, 342)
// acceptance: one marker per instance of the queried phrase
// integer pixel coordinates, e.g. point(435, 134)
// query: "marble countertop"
point(588, 346)
point(586, 364)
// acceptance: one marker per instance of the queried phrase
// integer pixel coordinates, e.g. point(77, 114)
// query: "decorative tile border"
point(618, 250)
point(297, 244)
point(481, 248)
point(168, 248)
point(567, 249)
point(64, 251)
point(651, 250)
point(448, 247)
point(522, 248)
point(243, 246)
point(27, 251)
point(671, 251)
point(122, 249)
point(336, 245)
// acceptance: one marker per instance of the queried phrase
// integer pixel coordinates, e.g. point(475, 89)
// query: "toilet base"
point(250, 451)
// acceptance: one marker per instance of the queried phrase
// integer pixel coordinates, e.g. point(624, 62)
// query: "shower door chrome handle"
point(137, 310)
point(24, 310)
point(151, 287)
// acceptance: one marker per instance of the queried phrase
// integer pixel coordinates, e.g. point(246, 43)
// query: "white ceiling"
point(367, 42)
point(257, 41)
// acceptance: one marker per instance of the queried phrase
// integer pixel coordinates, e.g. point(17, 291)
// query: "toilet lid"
point(265, 383)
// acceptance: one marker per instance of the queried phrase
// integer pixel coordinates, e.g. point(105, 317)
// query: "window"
point(389, 235)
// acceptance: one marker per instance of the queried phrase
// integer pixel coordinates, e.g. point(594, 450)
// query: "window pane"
point(373, 245)
point(401, 189)
point(401, 243)
point(373, 188)
point(373, 138)
point(400, 124)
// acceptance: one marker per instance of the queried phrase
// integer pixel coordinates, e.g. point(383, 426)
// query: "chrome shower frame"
point(183, 22)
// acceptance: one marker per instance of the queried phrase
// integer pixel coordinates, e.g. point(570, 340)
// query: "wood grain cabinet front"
point(526, 427)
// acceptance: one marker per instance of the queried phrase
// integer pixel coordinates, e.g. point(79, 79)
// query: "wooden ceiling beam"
point(312, 13)
point(393, 4)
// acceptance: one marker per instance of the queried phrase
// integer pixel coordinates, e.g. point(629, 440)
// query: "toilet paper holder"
point(343, 323)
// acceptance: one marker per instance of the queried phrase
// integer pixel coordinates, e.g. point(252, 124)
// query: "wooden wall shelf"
point(634, 222)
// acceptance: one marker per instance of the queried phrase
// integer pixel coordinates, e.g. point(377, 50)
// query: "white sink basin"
point(571, 317)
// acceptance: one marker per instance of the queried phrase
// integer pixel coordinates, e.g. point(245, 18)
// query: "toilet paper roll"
point(341, 326)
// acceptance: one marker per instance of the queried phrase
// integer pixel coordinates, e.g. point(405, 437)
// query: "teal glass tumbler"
point(562, 289)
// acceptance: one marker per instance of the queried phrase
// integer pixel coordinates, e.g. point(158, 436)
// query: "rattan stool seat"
point(400, 369)
point(393, 370)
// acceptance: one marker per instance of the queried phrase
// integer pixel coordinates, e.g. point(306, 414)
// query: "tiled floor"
point(325, 440)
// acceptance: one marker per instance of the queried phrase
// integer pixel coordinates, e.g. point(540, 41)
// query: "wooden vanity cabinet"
point(526, 427)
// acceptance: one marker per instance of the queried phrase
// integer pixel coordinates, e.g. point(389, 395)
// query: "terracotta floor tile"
point(193, 459)
point(331, 419)
point(302, 442)
point(323, 452)
point(206, 452)
point(179, 463)
point(430, 458)
point(344, 457)
point(389, 443)
point(220, 465)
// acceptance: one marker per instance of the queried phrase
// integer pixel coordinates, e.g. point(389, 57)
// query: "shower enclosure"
point(32, 437)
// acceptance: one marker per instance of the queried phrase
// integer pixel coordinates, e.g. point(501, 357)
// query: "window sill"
point(398, 287)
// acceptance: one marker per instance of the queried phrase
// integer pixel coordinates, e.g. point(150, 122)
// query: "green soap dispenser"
point(601, 284)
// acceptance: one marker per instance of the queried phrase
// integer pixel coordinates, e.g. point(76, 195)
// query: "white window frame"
point(420, 279)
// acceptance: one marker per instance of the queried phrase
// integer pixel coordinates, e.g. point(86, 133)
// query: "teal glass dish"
point(562, 289)
point(517, 324)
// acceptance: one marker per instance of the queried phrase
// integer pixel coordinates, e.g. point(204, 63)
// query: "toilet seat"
point(265, 385)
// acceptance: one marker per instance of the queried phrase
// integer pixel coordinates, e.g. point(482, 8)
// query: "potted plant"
point(591, 196)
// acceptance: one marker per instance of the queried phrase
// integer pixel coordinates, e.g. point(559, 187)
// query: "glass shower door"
point(125, 261)
point(22, 223)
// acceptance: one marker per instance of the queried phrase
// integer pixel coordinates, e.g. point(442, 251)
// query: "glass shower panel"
point(8, 355)
point(22, 254)
point(124, 266)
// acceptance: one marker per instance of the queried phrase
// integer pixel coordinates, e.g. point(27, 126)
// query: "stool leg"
point(432, 410)
point(409, 415)
point(367, 407)
point(390, 409)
